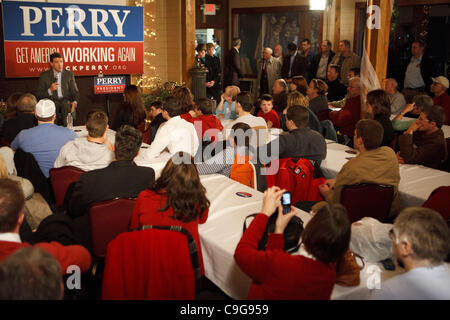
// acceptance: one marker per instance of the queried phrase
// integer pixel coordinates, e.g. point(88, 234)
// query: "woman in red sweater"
point(176, 198)
point(309, 274)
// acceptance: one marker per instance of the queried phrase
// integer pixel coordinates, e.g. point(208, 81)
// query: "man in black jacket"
point(301, 142)
point(417, 73)
point(320, 62)
point(294, 64)
point(122, 178)
point(24, 120)
point(232, 71)
point(213, 85)
point(336, 90)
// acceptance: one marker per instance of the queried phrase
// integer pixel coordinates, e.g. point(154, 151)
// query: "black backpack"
point(291, 233)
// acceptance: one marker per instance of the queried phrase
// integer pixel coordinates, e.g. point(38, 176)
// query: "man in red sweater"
point(441, 98)
point(267, 112)
point(11, 217)
point(346, 118)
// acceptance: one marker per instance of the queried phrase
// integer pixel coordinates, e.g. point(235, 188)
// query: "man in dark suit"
point(232, 71)
point(122, 178)
point(294, 64)
point(320, 62)
point(59, 85)
point(213, 83)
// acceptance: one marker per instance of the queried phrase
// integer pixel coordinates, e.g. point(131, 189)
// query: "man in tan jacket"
point(269, 70)
point(374, 164)
point(346, 60)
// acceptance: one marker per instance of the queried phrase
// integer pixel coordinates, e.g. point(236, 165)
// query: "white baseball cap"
point(441, 80)
point(45, 108)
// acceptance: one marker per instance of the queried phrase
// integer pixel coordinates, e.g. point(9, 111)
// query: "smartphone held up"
point(286, 202)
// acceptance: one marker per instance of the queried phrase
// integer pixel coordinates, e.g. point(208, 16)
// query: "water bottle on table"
point(69, 120)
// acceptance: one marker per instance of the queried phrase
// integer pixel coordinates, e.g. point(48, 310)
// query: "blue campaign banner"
point(109, 84)
point(37, 21)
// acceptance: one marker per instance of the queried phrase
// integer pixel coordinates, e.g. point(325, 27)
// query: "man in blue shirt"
point(46, 139)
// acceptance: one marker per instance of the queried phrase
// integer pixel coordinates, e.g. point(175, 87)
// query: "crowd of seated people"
point(374, 126)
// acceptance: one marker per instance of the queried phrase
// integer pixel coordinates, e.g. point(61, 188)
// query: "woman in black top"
point(132, 112)
point(379, 108)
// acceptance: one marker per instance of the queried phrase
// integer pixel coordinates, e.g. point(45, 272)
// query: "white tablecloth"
point(416, 182)
point(371, 276)
point(222, 231)
point(82, 132)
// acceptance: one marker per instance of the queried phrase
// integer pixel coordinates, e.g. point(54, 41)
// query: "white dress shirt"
point(413, 77)
point(322, 69)
point(58, 76)
point(10, 237)
point(176, 135)
point(254, 123)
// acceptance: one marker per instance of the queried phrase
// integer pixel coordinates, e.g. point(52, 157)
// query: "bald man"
point(269, 69)
point(396, 98)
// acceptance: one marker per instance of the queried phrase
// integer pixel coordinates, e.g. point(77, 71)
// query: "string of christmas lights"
point(150, 79)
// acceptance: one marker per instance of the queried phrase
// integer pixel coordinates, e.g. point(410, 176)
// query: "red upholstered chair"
point(151, 264)
point(61, 178)
point(108, 219)
point(439, 201)
point(146, 134)
point(367, 200)
point(446, 164)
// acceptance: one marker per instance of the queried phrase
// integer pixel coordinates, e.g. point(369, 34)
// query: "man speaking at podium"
point(59, 85)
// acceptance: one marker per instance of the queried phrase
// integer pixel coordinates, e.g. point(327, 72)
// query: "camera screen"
point(286, 198)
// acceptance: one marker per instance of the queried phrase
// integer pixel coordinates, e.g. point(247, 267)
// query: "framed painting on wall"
point(263, 27)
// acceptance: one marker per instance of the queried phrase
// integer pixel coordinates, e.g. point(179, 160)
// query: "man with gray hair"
point(233, 71)
point(421, 243)
point(278, 52)
point(280, 91)
point(269, 69)
point(24, 120)
point(30, 274)
point(396, 98)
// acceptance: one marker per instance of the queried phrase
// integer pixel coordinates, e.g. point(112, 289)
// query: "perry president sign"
point(90, 38)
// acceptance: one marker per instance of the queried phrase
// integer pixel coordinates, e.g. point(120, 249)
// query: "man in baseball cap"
point(441, 98)
point(46, 139)
point(45, 108)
